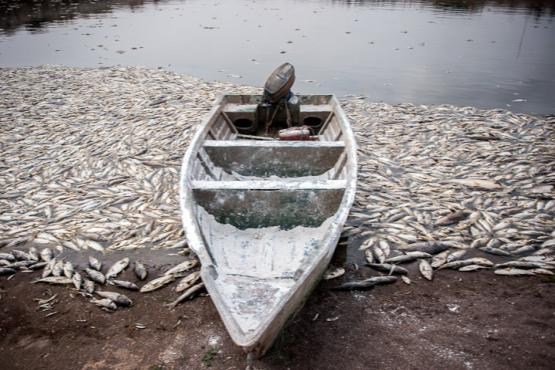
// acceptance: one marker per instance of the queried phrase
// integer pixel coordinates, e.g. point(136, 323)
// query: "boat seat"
point(287, 185)
point(266, 158)
point(285, 203)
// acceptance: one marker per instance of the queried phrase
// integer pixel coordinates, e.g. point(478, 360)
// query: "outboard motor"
point(279, 105)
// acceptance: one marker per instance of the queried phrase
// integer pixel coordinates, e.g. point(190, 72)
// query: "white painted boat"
point(264, 215)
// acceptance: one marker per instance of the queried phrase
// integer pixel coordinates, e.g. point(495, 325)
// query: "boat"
point(264, 215)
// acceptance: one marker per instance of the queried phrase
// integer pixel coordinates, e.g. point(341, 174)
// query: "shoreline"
point(100, 149)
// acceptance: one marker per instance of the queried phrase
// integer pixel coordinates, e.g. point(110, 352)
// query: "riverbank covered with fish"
point(90, 164)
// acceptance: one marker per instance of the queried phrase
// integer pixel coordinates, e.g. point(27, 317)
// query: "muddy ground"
point(458, 321)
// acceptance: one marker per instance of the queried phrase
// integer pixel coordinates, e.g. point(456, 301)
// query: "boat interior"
point(264, 206)
point(256, 180)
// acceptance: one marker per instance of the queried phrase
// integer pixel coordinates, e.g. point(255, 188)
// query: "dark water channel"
point(494, 54)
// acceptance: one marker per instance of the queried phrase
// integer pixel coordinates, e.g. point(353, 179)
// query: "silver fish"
point(511, 271)
point(58, 268)
point(157, 283)
point(68, 269)
point(426, 270)
point(33, 254)
point(118, 298)
point(140, 270)
point(96, 276)
point(37, 265)
point(431, 247)
point(408, 257)
point(117, 267)
point(20, 255)
point(469, 268)
point(367, 283)
point(77, 280)
point(522, 264)
point(54, 280)
point(105, 303)
point(388, 268)
point(46, 254)
point(94, 263)
point(88, 286)
point(188, 294)
point(182, 267)
point(193, 277)
point(452, 218)
point(124, 284)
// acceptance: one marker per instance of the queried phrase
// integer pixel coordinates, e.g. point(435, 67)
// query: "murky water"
point(483, 53)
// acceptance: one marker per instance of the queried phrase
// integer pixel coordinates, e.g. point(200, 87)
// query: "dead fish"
point(117, 267)
point(379, 254)
point(542, 271)
point(405, 279)
point(522, 264)
point(388, 268)
point(193, 277)
point(367, 283)
point(88, 286)
point(331, 273)
point(6, 271)
point(19, 264)
point(469, 268)
point(182, 267)
point(105, 303)
point(524, 249)
point(369, 255)
point(77, 280)
point(58, 268)
point(384, 246)
point(432, 247)
point(466, 262)
point(96, 276)
point(426, 270)
point(408, 257)
point(95, 264)
point(118, 298)
point(452, 218)
point(20, 255)
point(7, 257)
point(157, 283)
point(511, 271)
point(439, 259)
point(495, 251)
point(37, 265)
point(456, 255)
point(46, 254)
point(477, 183)
point(34, 254)
point(48, 268)
point(140, 270)
point(187, 294)
point(54, 280)
point(124, 284)
point(68, 269)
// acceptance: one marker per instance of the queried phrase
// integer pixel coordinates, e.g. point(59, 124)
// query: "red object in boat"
point(301, 133)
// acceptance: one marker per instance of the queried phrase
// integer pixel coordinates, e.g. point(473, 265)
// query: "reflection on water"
point(484, 53)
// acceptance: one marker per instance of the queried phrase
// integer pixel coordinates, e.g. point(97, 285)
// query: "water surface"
point(491, 54)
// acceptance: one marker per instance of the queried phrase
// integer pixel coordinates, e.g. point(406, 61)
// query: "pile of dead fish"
point(59, 272)
point(453, 188)
point(89, 159)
